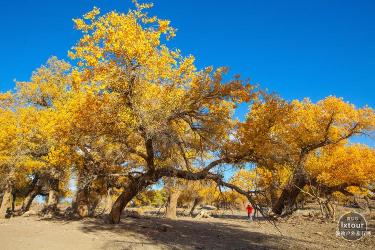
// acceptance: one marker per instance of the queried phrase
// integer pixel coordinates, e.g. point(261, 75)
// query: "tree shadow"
point(186, 234)
point(231, 216)
point(237, 217)
point(229, 232)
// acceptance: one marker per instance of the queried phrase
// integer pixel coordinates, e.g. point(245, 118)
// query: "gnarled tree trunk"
point(196, 202)
point(132, 188)
point(53, 199)
point(126, 196)
point(82, 206)
point(6, 204)
point(289, 194)
point(53, 196)
point(35, 189)
point(26, 204)
point(171, 207)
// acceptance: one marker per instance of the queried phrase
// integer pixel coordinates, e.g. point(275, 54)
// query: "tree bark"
point(126, 196)
point(35, 189)
point(6, 204)
point(171, 208)
point(82, 206)
point(53, 199)
point(53, 196)
point(196, 202)
point(132, 188)
point(289, 194)
point(26, 204)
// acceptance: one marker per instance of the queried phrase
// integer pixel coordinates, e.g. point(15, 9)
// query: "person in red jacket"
point(249, 209)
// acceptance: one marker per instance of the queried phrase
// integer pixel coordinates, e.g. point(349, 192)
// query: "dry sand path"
point(159, 233)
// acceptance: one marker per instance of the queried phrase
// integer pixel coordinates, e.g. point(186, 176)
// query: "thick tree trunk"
point(289, 195)
point(82, 202)
point(53, 197)
point(6, 204)
point(171, 208)
point(120, 204)
point(196, 202)
point(26, 204)
point(133, 187)
point(34, 191)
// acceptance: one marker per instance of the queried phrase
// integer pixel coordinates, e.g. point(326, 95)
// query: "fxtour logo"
point(352, 226)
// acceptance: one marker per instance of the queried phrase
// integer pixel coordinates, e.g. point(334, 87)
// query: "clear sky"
point(309, 48)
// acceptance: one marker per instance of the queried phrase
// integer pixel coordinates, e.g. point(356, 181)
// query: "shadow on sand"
point(186, 234)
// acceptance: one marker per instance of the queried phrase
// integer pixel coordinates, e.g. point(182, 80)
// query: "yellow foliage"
point(351, 165)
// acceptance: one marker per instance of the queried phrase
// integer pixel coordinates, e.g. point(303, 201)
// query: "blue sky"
point(309, 48)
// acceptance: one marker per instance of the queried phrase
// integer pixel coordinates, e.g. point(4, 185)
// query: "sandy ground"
point(152, 232)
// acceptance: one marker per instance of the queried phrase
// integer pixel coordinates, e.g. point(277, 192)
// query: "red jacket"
point(249, 209)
